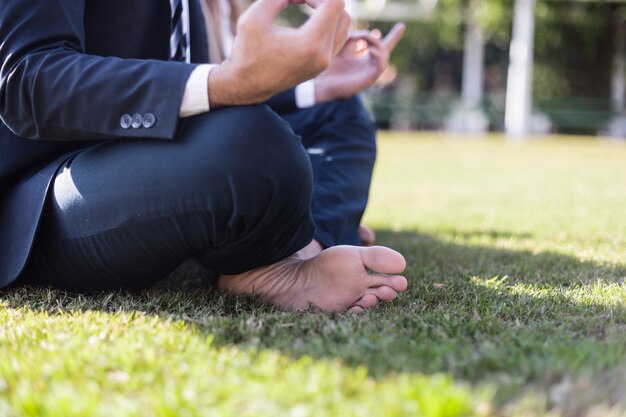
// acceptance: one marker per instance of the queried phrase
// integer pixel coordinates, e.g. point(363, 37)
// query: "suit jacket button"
point(126, 121)
point(149, 120)
point(137, 121)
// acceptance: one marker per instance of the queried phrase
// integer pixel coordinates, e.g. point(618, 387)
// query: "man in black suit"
point(114, 170)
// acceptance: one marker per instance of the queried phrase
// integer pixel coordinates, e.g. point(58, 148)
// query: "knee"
point(256, 148)
point(353, 123)
point(266, 146)
point(356, 111)
point(351, 115)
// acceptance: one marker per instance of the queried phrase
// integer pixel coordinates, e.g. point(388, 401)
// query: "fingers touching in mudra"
point(267, 59)
point(362, 60)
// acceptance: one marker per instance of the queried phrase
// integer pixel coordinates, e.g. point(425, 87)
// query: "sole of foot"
point(339, 279)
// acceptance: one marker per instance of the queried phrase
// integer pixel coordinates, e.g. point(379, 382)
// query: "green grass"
point(517, 306)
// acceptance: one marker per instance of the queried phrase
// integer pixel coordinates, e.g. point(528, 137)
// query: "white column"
point(469, 118)
point(618, 78)
point(617, 125)
point(473, 61)
point(519, 83)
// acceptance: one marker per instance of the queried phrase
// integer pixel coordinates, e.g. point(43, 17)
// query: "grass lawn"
point(517, 306)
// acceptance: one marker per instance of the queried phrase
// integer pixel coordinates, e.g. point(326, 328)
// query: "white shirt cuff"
point(196, 95)
point(305, 94)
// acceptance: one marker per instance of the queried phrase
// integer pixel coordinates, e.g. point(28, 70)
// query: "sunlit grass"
point(95, 363)
point(517, 306)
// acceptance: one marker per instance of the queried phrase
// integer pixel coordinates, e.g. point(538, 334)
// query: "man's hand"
point(267, 59)
point(360, 63)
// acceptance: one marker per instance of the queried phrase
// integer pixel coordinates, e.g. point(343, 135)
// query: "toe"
point(367, 235)
point(356, 310)
point(384, 293)
point(397, 283)
point(382, 260)
point(366, 302)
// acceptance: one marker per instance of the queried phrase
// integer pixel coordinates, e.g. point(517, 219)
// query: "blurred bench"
point(429, 111)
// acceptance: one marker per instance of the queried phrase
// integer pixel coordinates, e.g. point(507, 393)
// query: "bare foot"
point(309, 251)
point(367, 235)
point(338, 279)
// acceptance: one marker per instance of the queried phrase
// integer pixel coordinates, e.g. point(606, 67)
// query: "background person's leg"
point(340, 139)
point(233, 189)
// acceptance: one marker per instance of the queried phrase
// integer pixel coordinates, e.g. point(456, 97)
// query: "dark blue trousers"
point(238, 188)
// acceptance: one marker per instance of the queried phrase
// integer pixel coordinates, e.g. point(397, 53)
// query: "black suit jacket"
point(70, 69)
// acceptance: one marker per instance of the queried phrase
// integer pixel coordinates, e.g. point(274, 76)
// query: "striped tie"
point(179, 38)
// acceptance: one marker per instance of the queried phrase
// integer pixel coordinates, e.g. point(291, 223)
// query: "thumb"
point(324, 21)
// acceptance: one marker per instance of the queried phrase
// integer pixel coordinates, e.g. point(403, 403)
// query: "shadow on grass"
point(480, 313)
point(542, 269)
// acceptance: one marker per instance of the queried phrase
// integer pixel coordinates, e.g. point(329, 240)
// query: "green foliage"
point(439, 37)
point(574, 48)
point(573, 43)
point(495, 16)
point(549, 82)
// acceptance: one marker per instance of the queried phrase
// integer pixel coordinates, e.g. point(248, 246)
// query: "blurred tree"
point(574, 49)
point(436, 42)
point(574, 46)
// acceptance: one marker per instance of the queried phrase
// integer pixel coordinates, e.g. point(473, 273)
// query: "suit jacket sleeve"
point(284, 102)
point(51, 89)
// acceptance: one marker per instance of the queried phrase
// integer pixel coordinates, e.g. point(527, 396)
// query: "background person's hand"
point(267, 59)
point(359, 64)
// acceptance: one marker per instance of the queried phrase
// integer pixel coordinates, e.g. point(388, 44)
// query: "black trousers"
point(238, 188)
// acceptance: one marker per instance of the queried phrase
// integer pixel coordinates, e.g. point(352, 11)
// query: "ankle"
point(263, 280)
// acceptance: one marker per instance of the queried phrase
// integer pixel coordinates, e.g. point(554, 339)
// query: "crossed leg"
point(125, 214)
point(340, 141)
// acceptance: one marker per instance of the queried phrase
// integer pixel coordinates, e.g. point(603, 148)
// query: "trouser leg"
point(340, 139)
point(233, 189)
